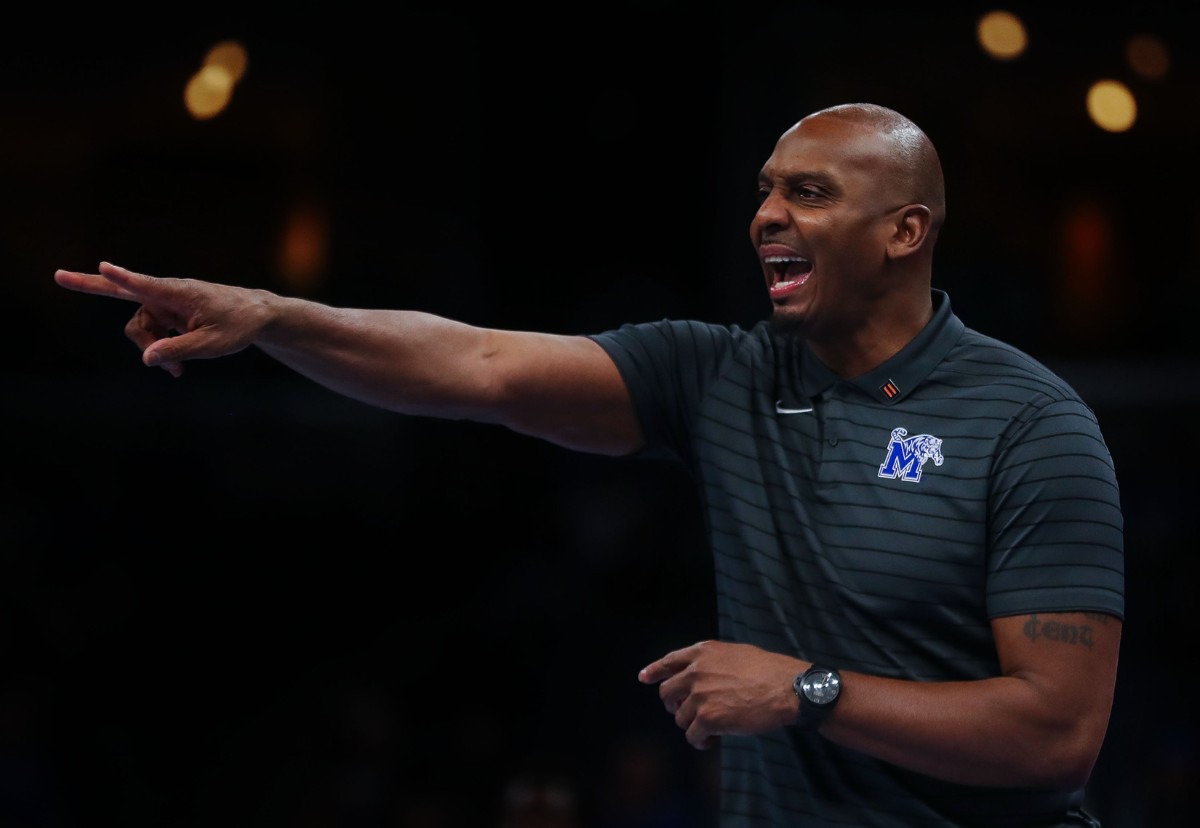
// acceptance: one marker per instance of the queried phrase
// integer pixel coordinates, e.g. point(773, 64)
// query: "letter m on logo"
point(901, 463)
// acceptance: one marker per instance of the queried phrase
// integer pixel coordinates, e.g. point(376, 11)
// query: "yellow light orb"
point(231, 56)
point(208, 92)
point(1111, 105)
point(1002, 35)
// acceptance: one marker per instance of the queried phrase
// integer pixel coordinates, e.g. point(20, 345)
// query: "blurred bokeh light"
point(1148, 56)
point(1002, 35)
point(231, 56)
point(208, 92)
point(1111, 105)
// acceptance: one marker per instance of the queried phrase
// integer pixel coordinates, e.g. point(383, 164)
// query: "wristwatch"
point(819, 689)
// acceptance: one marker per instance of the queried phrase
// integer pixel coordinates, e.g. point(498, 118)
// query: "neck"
point(852, 351)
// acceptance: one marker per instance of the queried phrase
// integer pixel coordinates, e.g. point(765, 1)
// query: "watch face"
point(821, 687)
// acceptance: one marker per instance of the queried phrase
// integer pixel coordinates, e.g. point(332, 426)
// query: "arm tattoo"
point(1036, 628)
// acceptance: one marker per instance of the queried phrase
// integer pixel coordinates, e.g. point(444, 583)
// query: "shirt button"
point(833, 441)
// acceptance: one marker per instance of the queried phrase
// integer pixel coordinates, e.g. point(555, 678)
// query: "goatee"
point(783, 323)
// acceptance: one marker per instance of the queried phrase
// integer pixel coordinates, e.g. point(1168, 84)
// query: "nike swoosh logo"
point(779, 409)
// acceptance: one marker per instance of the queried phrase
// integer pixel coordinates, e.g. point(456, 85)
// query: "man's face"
point(828, 199)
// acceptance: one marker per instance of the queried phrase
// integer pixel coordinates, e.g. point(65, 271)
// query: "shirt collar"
point(894, 379)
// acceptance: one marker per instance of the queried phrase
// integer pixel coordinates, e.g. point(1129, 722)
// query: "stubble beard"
point(789, 324)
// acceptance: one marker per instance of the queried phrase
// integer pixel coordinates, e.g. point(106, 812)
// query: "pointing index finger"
point(667, 666)
point(134, 283)
point(112, 280)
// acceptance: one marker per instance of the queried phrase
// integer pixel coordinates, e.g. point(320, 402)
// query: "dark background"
point(237, 598)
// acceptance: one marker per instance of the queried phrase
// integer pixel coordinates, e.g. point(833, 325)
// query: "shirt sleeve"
point(668, 367)
point(1057, 532)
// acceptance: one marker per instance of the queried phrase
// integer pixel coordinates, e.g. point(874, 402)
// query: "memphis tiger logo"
point(906, 455)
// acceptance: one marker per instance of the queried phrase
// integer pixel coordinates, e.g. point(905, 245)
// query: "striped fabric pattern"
point(878, 524)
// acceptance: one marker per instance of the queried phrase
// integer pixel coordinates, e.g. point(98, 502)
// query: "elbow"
point(1068, 772)
point(1065, 759)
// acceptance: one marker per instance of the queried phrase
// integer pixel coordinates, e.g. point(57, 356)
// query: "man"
point(916, 528)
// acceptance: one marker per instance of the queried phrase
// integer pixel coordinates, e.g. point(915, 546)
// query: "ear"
point(910, 232)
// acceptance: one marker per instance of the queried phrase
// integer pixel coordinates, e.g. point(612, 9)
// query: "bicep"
point(564, 389)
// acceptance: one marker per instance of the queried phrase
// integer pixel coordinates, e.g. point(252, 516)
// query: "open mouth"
point(790, 271)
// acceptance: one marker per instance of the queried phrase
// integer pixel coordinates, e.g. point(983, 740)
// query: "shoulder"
point(1027, 403)
point(1001, 364)
point(688, 335)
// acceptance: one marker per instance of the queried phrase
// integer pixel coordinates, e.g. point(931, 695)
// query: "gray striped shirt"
point(877, 525)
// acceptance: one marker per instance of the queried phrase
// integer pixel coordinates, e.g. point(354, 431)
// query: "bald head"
point(915, 167)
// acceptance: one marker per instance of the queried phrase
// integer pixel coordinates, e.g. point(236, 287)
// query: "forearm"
point(405, 361)
point(560, 388)
point(1001, 731)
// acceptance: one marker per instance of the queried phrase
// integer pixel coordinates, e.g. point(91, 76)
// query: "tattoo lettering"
point(1035, 628)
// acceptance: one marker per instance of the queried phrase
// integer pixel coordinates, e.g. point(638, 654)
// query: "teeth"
point(782, 259)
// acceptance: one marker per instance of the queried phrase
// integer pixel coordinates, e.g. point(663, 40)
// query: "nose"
point(771, 214)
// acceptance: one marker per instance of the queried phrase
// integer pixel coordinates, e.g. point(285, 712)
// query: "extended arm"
point(564, 389)
point(1040, 723)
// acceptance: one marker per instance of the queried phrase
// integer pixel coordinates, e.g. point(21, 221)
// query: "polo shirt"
point(877, 524)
